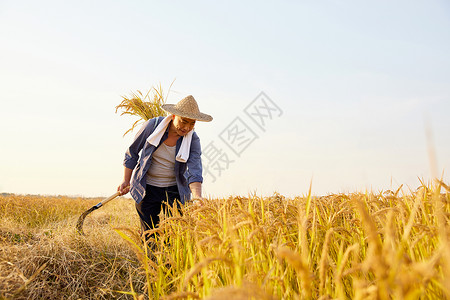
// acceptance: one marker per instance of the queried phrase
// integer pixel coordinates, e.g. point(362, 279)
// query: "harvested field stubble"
point(375, 245)
point(43, 257)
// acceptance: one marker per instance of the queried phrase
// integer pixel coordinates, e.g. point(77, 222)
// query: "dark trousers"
point(155, 199)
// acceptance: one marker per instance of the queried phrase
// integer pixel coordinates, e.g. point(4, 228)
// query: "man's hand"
point(197, 201)
point(196, 189)
point(123, 188)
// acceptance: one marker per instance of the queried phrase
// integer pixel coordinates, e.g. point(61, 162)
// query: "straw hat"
point(187, 108)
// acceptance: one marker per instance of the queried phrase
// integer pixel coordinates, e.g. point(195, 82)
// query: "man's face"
point(183, 125)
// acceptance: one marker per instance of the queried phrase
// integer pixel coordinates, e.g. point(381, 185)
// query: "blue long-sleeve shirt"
point(138, 157)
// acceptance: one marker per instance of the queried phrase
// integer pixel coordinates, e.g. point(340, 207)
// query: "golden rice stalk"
point(247, 291)
point(323, 261)
point(440, 182)
point(296, 261)
point(340, 271)
point(199, 266)
point(181, 295)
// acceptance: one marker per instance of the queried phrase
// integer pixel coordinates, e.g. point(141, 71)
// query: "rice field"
point(378, 245)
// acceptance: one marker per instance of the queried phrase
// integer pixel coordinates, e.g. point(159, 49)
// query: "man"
point(163, 163)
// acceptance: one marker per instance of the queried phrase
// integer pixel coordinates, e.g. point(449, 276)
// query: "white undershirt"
point(162, 168)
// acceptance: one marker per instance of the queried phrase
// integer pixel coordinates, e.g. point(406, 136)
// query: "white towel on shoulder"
point(183, 153)
point(155, 138)
point(157, 134)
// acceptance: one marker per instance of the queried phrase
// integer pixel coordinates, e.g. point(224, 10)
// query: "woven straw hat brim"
point(171, 108)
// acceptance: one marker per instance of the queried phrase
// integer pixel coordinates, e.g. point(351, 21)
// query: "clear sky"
point(356, 84)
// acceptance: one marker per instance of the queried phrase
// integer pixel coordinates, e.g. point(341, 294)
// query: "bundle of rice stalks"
point(144, 107)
